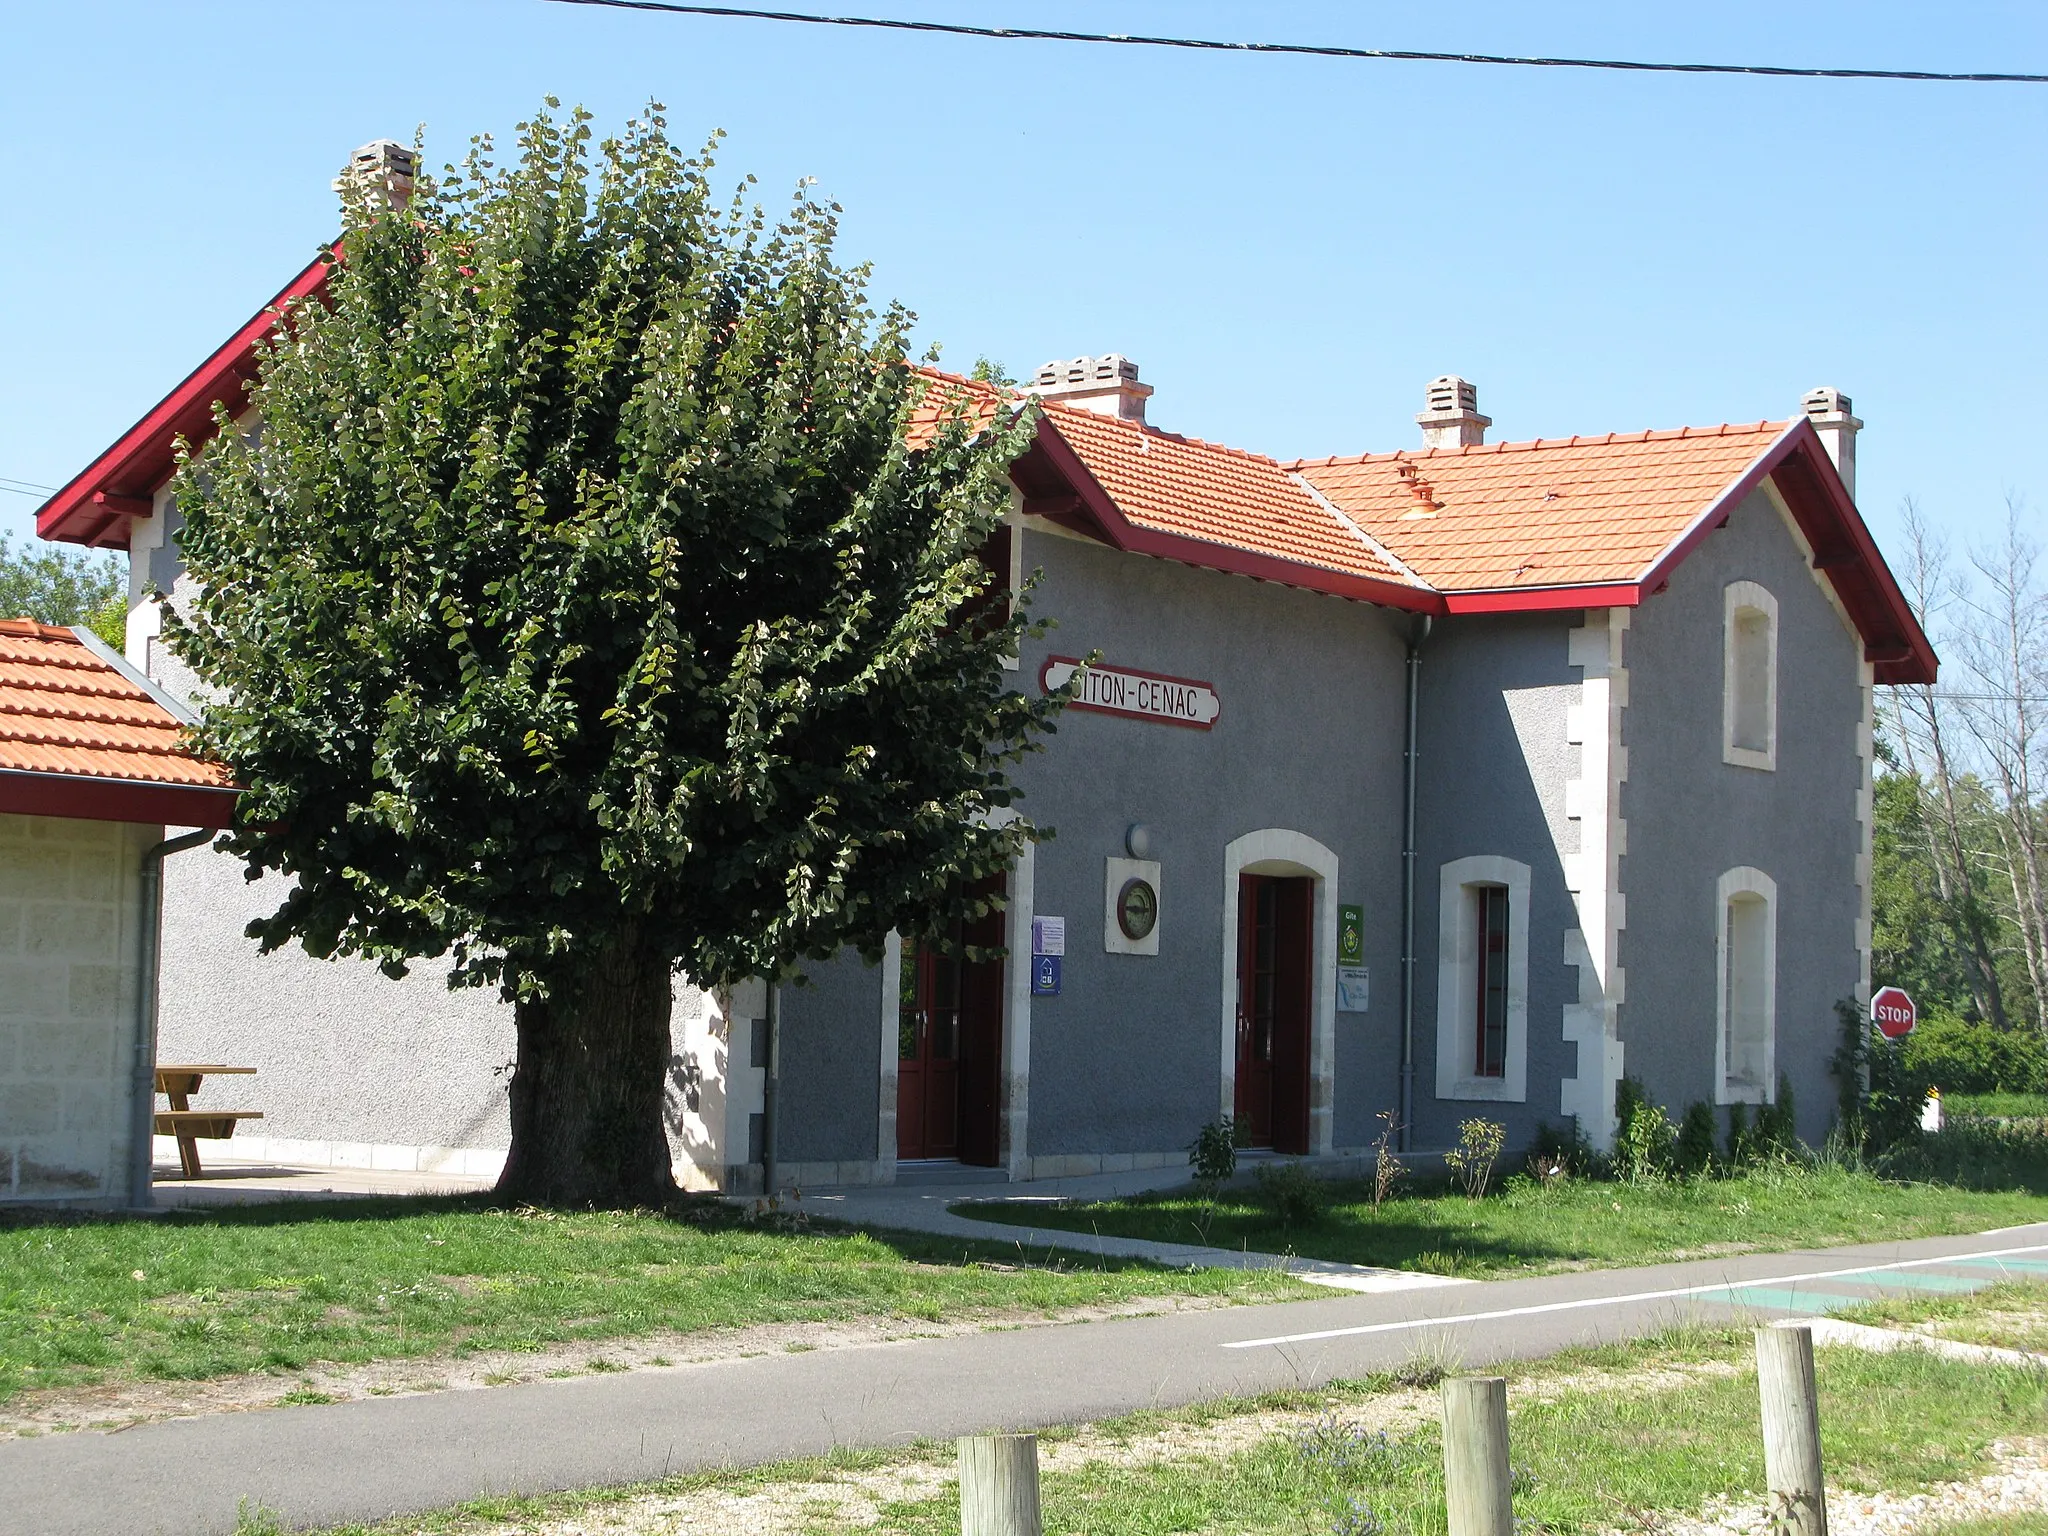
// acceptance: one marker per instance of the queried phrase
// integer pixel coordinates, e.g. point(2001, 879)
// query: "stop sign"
point(1892, 1011)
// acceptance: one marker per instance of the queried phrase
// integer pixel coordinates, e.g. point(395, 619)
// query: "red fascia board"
point(84, 798)
point(1607, 594)
point(1798, 463)
point(142, 458)
point(1059, 455)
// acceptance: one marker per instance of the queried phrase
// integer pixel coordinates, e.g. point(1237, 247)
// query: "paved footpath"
point(381, 1457)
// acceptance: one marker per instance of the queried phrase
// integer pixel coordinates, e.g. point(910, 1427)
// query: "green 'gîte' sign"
point(1350, 935)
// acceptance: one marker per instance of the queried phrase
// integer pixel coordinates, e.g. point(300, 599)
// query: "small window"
point(1749, 714)
point(1490, 1058)
point(1748, 986)
point(1483, 980)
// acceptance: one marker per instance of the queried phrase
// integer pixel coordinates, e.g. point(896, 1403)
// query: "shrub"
point(1975, 1154)
point(1644, 1137)
point(1958, 1056)
point(1297, 1196)
point(1478, 1149)
point(1559, 1152)
point(1693, 1153)
point(1387, 1169)
point(1212, 1155)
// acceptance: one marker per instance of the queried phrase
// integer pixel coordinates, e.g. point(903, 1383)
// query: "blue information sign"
point(1045, 975)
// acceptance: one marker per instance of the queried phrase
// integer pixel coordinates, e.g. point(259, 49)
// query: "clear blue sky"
point(1289, 247)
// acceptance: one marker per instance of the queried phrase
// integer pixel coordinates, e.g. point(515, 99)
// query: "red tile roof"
point(67, 713)
point(1225, 496)
point(1563, 512)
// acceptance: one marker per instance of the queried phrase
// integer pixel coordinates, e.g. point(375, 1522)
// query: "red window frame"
point(1490, 1013)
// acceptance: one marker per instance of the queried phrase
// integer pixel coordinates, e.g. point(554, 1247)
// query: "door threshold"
point(947, 1170)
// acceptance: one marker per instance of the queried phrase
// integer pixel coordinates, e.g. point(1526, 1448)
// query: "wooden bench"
point(189, 1125)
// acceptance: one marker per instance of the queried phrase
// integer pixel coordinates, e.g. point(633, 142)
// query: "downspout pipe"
point(149, 956)
point(1418, 633)
point(771, 1093)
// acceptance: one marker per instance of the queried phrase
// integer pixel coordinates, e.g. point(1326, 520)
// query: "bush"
point(1697, 1131)
point(1560, 1152)
point(1975, 1154)
point(1297, 1196)
point(1478, 1149)
point(1212, 1155)
point(1644, 1137)
point(1958, 1056)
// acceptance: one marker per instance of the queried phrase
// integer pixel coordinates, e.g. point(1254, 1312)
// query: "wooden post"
point(1476, 1488)
point(1791, 1413)
point(999, 1486)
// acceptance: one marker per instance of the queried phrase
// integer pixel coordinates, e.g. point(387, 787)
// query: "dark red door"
point(1274, 946)
point(949, 1033)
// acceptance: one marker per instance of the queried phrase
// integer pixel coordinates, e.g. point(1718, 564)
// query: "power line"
point(26, 487)
point(1312, 50)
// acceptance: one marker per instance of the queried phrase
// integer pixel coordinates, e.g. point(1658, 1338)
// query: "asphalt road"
point(372, 1459)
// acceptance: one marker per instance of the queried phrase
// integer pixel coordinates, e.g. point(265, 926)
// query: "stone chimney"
point(1107, 385)
point(1828, 410)
point(1452, 419)
point(384, 169)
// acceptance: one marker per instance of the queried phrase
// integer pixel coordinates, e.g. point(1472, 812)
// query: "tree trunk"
point(587, 1088)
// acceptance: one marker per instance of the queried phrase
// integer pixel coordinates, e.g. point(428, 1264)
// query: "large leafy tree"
point(59, 586)
point(588, 610)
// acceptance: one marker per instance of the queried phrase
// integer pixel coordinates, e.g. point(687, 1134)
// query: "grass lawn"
point(192, 1295)
point(1619, 1437)
point(1530, 1228)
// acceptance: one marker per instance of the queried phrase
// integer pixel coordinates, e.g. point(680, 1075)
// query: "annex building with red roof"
point(93, 766)
point(1462, 779)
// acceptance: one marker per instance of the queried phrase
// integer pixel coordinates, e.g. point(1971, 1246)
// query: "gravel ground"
point(2019, 1486)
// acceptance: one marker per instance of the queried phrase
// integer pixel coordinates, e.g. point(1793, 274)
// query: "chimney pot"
point(1829, 411)
point(385, 171)
point(1450, 418)
point(1107, 385)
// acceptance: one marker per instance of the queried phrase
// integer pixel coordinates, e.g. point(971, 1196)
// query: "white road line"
point(1618, 1301)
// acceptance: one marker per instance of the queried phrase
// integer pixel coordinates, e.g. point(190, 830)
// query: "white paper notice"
point(1354, 988)
point(1048, 935)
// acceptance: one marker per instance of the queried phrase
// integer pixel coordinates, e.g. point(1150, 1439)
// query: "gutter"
point(1418, 632)
point(143, 1130)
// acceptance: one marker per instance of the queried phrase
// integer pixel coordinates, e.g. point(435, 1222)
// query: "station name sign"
point(1112, 690)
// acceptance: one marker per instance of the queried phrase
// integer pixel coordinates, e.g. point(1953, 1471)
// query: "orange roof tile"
point(1562, 512)
point(64, 710)
point(1198, 490)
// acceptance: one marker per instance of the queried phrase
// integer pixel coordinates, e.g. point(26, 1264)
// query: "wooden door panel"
point(1293, 984)
point(949, 1047)
point(1275, 984)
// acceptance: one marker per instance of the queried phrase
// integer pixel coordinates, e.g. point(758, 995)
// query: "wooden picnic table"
point(178, 1082)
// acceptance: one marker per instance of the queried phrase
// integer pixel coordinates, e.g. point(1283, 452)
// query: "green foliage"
point(1913, 940)
point(1471, 1161)
point(56, 585)
point(1693, 1152)
point(1958, 1055)
point(1976, 1154)
point(1560, 1150)
point(582, 585)
point(1644, 1137)
point(1879, 1097)
point(1212, 1155)
point(1295, 1195)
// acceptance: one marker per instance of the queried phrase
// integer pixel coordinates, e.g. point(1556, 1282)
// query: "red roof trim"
point(1127, 535)
point(91, 509)
point(1611, 594)
point(85, 798)
point(1845, 555)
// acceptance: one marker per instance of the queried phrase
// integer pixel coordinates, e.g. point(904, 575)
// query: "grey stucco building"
point(1435, 783)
